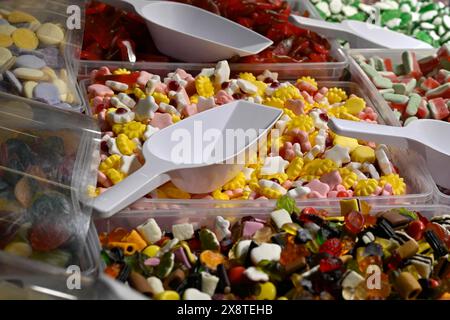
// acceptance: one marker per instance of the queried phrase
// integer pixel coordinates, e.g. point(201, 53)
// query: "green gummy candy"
point(383, 91)
point(165, 265)
point(360, 16)
point(396, 98)
point(424, 36)
point(399, 88)
point(371, 72)
point(208, 240)
point(382, 83)
point(428, 7)
point(389, 15)
point(413, 104)
point(409, 120)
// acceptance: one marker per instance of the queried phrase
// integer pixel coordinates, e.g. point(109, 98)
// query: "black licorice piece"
point(224, 284)
point(303, 236)
point(124, 273)
point(436, 244)
point(279, 238)
point(248, 261)
point(384, 229)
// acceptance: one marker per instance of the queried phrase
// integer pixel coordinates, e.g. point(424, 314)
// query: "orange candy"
point(211, 259)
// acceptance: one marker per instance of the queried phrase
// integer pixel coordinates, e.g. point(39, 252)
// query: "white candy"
point(205, 103)
point(383, 160)
point(232, 87)
point(299, 192)
point(338, 154)
point(183, 231)
point(352, 279)
point(168, 246)
point(209, 283)
point(282, 123)
point(264, 183)
point(146, 108)
point(222, 72)
point(354, 165)
point(256, 274)
point(311, 154)
point(117, 86)
point(151, 84)
point(266, 251)
point(349, 11)
point(321, 139)
point(318, 122)
point(248, 173)
point(149, 131)
point(359, 174)
point(335, 6)
point(280, 217)
point(274, 165)
point(167, 108)
point(181, 100)
point(175, 77)
point(155, 284)
point(297, 149)
point(121, 117)
point(195, 294)
point(150, 231)
point(370, 168)
point(129, 164)
point(247, 86)
point(207, 72)
point(323, 6)
point(267, 74)
point(222, 228)
point(126, 100)
point(242, 248)
point(115, 101)
point(112, 145)
point(255, 99)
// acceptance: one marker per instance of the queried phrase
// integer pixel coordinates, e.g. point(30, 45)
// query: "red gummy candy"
point(236, 275)
point(416, 229)
point(354, 222)
point(330, 264)
point(129, 79)
point(332, 246)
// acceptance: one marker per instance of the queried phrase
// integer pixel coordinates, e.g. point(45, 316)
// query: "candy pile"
point(36, 216)
point(293, 254)
point(306, 160)
point(414, 89)
point(31, 63)
point(426, 20)
point(112, 34)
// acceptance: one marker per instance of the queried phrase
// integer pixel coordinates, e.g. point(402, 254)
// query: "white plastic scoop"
point(429, 138)
point(360, 34)
point(191, 34)
point(199, 154)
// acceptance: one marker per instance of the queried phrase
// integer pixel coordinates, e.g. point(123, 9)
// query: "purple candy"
point(250, 228)
point(47, 92)
point(52, 57)
point(29, 61)
point(181, 257)
point(152, 262)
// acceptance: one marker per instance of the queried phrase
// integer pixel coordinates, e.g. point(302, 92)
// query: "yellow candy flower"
point(288, 92)
point(194, 98)
point(219, 195)
point(121, 71)
point(160, 97)
point(335, 95)
point(172, 192)
point(274, 102)
point(309, 178)
point(261, 87)
point(115, 175)
point(247, 76)
point(363, 154)
point(132, 129)
point(139, 93)
point(117, 128)
point(302, 122)
point(125, 145)
point(245, 195)
point(295, 168)
point(319, 167)
point(92, 191)
point(113, 161)
point(365, 187)
point(289, 113)
point(204, 86)
point(348, 177)
point(235, 183)
point(397, 183)
point(350, 143)
point(355, 105)
point(175, 118)
point(270, 193)
point(309, 80)
point(312, 138)
point(281, 177)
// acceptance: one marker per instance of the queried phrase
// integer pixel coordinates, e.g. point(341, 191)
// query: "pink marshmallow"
point(307, 97)
point(318, 96)
point(190, 110)
point(287, 151)
point(302, 138)
point(143, 78)
point(332, 179)
point(296, 105)
point(103, 71)
point(250, 228)
point(161, 88)
point(100, 90)
point(287, 184)
point(161, 120)
point(318, 189)
point(222, 97)
point(306, 86)
point(103, 180)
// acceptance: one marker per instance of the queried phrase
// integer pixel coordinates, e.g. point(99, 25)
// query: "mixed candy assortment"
point(426, 20)
point(37, 217)
point(113, 34)
point(293, 254)
point(31, 60)
point(306, 160)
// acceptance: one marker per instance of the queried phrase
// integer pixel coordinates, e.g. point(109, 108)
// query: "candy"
point(50, 34)
point(46, 92)
point(150, 231)
point(265, 251)
point(183, 231)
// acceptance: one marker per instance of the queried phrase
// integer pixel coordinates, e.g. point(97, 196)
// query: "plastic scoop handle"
point(130, 190)
point(396, 136)
point(330, 29)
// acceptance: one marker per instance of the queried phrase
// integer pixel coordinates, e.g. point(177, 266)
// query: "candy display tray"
point(361, 77)
point(318, 70)
point(55, 11)
point(418, 180)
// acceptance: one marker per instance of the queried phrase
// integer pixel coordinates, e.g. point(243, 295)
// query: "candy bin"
point(407, 85)
point(46, 163)
point(427, 20)
point(37, 54)
point(351, 252)
point(311, 163)
point(295, 51)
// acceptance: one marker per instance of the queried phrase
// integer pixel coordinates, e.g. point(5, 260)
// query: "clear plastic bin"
point(321, 70)
point(417, 178)
point(359, 76)
point(48, 160)
point(56, 12)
